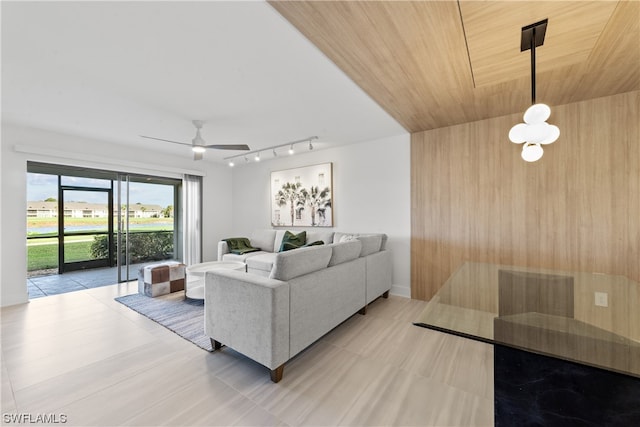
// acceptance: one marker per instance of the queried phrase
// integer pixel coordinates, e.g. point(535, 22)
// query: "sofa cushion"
point(241, 258)
point(262, 262)
point(339, 237)
point(345, 251)
point(278, 240)
point(292, 241)
point(263, 239)
point(318, 235)
point(370, 244)
point(383, 245)
point(288, 265)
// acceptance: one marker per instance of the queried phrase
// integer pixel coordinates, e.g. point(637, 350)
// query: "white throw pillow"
point(347, 238)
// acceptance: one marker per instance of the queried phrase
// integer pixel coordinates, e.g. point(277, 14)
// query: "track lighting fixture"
point(273, 150)
point(535, 131)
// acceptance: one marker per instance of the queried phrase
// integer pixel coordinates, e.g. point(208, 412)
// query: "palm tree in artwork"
point(289, 194)
point(318, 200)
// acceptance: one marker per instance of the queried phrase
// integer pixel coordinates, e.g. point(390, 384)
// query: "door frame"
point(64, 267)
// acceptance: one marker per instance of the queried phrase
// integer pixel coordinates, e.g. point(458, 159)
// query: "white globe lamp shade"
point(531, 152)
point(537, 132)
point(553, 133)
point(518, 133)
point(537, 113)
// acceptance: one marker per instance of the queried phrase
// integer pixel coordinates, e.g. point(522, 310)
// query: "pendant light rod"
point(532, 37)
point(533, 66)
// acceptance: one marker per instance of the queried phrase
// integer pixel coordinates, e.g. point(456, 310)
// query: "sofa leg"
point(363, 310)
point(276, 374)
point(385, 295)
point(217, 345)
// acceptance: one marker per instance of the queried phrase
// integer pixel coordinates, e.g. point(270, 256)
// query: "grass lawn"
point(43, 253)
point(40, 257)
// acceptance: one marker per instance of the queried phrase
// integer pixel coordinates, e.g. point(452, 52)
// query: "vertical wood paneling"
point(577, 209)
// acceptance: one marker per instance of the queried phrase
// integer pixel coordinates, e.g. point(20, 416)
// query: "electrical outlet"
point(602, 299)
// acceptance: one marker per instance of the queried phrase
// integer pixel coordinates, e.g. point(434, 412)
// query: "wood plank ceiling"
point(437, 64)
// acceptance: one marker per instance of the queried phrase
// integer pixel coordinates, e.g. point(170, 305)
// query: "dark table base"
point(536, 390)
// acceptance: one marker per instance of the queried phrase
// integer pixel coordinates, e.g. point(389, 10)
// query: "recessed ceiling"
point(437, 64)
point(116, 70)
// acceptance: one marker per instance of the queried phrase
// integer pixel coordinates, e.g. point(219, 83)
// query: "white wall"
point(43, 146)
point(371, 192)
point(371, 185)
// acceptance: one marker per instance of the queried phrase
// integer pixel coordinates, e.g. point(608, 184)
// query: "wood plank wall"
point(577, 209)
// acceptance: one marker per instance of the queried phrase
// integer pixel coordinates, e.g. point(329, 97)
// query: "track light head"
point(310, 146)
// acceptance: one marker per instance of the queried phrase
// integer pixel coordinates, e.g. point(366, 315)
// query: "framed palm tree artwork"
point(302, 196)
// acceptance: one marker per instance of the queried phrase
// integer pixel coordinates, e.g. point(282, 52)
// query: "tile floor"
point(55, 284)
point(86, 356)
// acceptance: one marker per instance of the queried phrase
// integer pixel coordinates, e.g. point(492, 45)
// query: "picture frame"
point(303, 196)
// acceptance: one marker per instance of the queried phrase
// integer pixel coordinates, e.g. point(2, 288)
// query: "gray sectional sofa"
point(270, 316)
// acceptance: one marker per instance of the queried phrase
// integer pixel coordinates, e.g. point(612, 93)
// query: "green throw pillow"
point(290, 239)
point(287, 246)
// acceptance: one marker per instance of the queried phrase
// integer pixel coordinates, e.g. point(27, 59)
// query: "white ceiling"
point(116, 70)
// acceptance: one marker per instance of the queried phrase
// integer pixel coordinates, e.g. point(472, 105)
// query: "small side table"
point(194, 285)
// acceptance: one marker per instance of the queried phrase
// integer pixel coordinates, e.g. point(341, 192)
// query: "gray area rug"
point(184, 317)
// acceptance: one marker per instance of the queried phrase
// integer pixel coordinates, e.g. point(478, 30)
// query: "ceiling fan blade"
point(198, 156)
point(229, 147)
point(166, 140)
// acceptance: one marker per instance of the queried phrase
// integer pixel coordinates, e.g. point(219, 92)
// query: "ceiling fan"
point(199, 145)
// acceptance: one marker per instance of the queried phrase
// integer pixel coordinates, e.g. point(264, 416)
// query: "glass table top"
point(584, 317)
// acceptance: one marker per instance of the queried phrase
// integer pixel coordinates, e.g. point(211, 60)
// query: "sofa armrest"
point(223, 248)
point(379, 277)
point(249, 314)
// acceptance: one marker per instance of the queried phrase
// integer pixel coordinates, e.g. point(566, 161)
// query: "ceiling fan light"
point(531, 152)
point(553, 133)
point(537, 113)
point(198, 149)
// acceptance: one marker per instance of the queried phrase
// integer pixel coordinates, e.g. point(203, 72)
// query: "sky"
point(42, 186)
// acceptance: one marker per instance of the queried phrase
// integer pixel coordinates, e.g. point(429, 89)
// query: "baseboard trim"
point(400, 291)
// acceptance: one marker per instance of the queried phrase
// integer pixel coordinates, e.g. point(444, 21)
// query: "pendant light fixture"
point(535, 131)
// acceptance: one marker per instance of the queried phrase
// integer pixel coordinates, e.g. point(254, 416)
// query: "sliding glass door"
point(86, 218)
point(85, 229)
point(145, 222)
